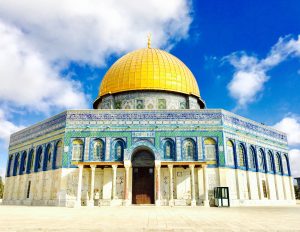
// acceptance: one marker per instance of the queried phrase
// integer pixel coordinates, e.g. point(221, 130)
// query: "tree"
point(1, 188)
point(297, 192)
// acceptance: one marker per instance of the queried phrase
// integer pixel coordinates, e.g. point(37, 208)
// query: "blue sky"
point(244, 54)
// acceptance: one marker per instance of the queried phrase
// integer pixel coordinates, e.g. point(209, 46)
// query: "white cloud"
point(7, 128)
point(294, 155)
point(89, 31)
point(291, 126)
point(250, 73)
point(27, 80)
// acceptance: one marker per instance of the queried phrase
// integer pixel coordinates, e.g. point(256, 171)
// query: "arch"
point(261, 160)
point(285, 168)
point(270, 162)
point(16, 164)
point(143, 161)
point(168, 149)
point(188, 149)
point(30, 161)
point(38, 159)
point(57, 159)
point(98, 149)
point(23, 162)
point(230, 152)
point(241, 155)
point(9, 165)
point(77, 150)
point(278, 167)
point(252, 160)
point(118, 149)
point(48, 158)
point(146, 145)
point(210, 149)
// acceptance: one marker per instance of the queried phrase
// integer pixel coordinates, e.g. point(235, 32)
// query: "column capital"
point(127, 163)
point(170, 166)
point(204, 165)
point(93, 167)
point(192, 166)
point(114, 166)
point(157, 163)
point(80, 166)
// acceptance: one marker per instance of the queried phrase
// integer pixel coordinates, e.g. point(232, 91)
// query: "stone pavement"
point(149, 218)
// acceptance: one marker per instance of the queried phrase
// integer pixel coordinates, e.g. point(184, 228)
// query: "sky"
point(245, 56)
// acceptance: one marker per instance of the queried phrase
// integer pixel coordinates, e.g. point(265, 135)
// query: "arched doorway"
point(143, 177)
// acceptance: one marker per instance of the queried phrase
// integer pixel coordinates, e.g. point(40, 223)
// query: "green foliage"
point(1, 188)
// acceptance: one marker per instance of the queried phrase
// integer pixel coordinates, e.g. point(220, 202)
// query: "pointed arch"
point(210, 148)
point(230, 152)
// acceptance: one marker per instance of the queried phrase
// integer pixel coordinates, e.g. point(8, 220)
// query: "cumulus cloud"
point(250, 73)
point(294, 155)
point(291, 126)
point(7, 128)
point(27, 80)
point(89, 31)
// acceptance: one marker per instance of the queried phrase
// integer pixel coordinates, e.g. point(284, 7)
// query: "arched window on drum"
point(77, 150)
point(58, 154)
point(98, 149)
point(119, 149)
point(210, 149)
point(252, 160)
point(261, 160)
point(169, 149)
point(241, 155)
point(270, 162)
point(278, 167)
point(230, 152)
point(188, 149)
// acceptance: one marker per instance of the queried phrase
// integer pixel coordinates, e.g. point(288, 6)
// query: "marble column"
point(260, 191)
point(127, 165)
point(193, 192)
point(91, 201)
point(283, 187)
point(78, 198)
point(171, 196)
point(157, 182)
point(276, 186)
point(205, 186)
point(114, 182)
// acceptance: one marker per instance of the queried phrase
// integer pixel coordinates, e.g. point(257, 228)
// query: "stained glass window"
point(188, 149)
point(58, 160)
point(230, 153)
point(168, 149)
point(210, 149)
point(261, 160)
point(119, 150)
point(241, 156)
point(98, 150)
point(270, 162)
point(77, 150)
point(252, 164)
point(278, 164)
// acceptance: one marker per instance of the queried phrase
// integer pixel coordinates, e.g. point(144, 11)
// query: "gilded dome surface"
point(149, 69)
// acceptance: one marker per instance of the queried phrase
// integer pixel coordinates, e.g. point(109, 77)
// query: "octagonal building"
point(148, 140)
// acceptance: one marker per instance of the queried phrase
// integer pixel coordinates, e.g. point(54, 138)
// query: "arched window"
point(77, 149)
point(98, 149)
point(16, 165)
point(278, 164)
point(210, 149)
point(30, 161)
point(119, 149)
point(252, 163)
point(9, 165)
point(58, 154)
point(242, 155)
point(39, 159)
point(189, 149)
point(285, 165)
point(270, 162)
point(169, 149)
point(261, 160)
point(23, 162)
point(230, 153)
point(49, 157)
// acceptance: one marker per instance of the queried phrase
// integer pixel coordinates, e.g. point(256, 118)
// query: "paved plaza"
point(149, 218)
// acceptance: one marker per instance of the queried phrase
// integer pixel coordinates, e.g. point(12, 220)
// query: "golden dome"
point(149, 69)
